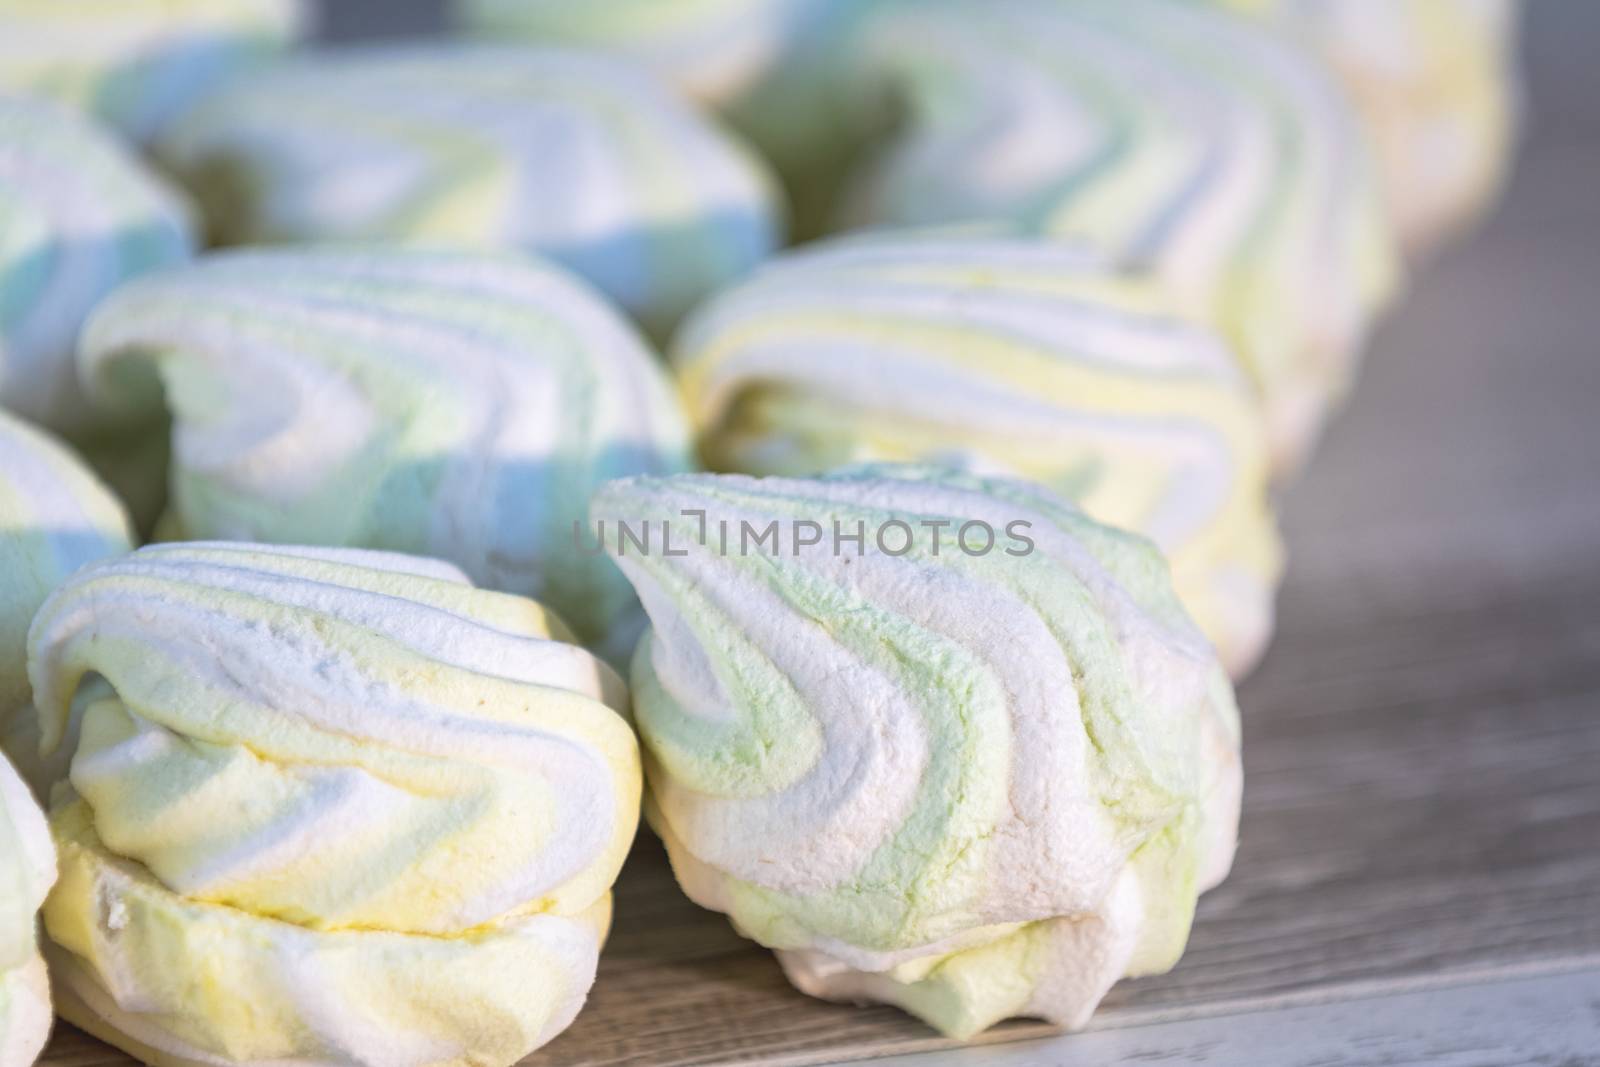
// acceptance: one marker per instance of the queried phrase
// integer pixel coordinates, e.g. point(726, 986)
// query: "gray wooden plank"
point(1512, 1022)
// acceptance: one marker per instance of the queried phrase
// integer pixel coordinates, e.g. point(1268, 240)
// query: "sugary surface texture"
point(973, 784)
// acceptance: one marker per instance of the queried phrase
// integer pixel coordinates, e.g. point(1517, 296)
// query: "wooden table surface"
point(1421, 830)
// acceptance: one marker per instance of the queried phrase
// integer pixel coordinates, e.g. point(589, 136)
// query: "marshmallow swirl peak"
point(27, 870)
point(1176, 138)
point(339, 807)
point(453, 404)
point(55, 516)
point(79, 215)
point(571, 154)
point(134, 63)
point(976, 778)
point(1003, 355)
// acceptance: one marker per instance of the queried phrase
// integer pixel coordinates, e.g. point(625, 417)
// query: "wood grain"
point(1423, 743)
point(1515, 1021)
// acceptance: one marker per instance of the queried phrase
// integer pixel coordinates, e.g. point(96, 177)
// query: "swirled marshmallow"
point(1175, 138)
point(337, 807)
point(940, 740)
point(1001, 355)
point(571, 154)
point(455, 404)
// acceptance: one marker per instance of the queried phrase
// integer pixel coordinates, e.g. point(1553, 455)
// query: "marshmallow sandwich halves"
point(976, 774)
point(336, 807)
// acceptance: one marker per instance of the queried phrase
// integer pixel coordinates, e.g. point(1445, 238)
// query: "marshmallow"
point(337, 807)
point(940, 740)
point(571, 154)
point(1001, 355)
point(446, 403)
point(1174, 137)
